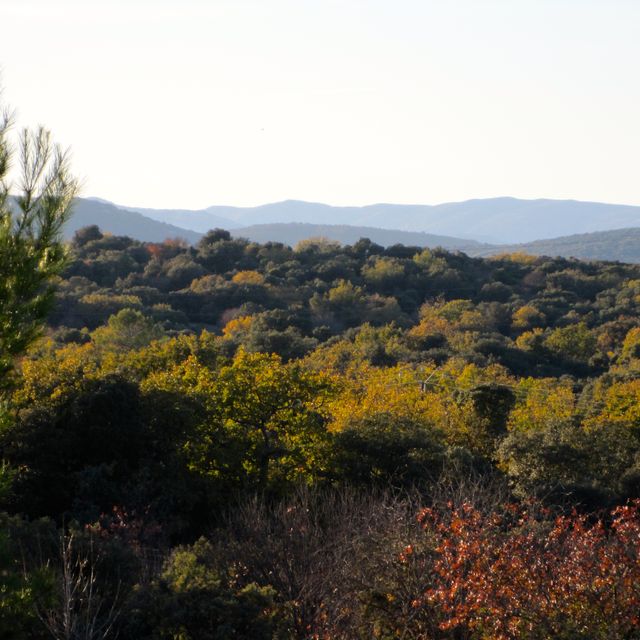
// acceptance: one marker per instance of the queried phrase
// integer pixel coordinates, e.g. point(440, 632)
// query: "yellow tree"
point(265, 421)
point(278, 409)
point(448, 403)
point(542, 403)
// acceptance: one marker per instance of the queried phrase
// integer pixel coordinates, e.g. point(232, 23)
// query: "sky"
point(190, 103)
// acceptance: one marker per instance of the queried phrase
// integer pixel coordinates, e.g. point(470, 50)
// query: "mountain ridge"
point(501, 220)
point(293, 232)
point(621, 244)
point(118, 221)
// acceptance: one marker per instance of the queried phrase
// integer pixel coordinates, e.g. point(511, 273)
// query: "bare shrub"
point(82, 609)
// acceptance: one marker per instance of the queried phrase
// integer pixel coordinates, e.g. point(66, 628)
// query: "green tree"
point(574, 342)
point(31, 252)
point(127, 329)
point(87, 234)
point(387, 449)
point(194, 600)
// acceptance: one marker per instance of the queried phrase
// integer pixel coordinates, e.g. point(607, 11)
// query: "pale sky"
point(189, 103)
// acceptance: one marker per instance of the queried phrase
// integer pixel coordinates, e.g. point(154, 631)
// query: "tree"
point(492, 404)
point(78, 452)
point(192, 600)
point(278, 409)
point(575, 342)
point(31, 252)
point(384, 274)
point(631, 345)
point(527, 317)
point(518, 572)
point(127, 329)
point(387, 449)
point(24, 581)
point(87, 234)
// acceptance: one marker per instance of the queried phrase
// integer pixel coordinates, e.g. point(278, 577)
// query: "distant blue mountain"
point(120, 222)
point(621, 244)
point(497, 220)
point(196, 220)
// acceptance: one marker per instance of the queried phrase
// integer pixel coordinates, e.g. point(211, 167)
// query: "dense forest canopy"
point(255, 440)
point(535, 316)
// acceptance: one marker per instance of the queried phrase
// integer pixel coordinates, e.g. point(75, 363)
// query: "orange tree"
point(520, 573)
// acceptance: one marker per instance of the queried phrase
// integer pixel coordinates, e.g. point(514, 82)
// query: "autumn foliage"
point(518, 572)
point(247, 433)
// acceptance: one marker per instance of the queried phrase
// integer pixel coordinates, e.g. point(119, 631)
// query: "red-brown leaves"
point(520, 573)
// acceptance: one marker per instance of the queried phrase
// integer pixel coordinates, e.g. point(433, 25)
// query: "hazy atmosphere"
point(240, 102)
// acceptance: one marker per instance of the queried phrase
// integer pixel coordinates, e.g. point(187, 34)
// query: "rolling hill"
point(494, 220)
point(622, 245)
point(292, 233)
point(118, 221)
point(617, 244)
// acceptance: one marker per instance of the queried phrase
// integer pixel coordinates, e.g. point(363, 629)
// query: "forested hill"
point(294, 443)
point(619, 244)
point(292, 233)
point(514, 309)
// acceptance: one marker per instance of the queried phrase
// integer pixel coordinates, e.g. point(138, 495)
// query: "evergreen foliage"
point(31, 252)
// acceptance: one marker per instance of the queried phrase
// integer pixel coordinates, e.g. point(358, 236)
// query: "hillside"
point(118, 221)
point(235, 409)
point(293, 233)
point(619, 244)
point(622, 245)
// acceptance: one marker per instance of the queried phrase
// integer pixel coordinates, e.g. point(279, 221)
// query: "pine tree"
point(31, 250)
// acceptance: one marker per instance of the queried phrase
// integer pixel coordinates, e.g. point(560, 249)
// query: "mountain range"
point(478, 227)
point(493, 220)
